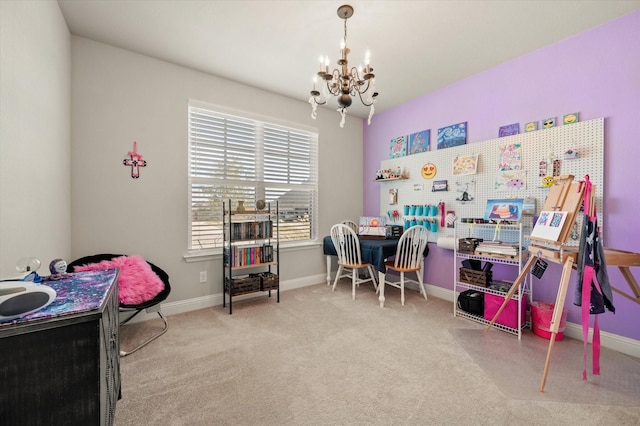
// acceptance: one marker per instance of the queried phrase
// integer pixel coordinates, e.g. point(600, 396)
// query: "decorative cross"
point(135, 161)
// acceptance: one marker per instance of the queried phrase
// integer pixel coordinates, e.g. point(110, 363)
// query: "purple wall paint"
point(596, 73)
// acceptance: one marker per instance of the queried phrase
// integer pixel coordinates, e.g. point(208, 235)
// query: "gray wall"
point(119, 97)
point(35, 193)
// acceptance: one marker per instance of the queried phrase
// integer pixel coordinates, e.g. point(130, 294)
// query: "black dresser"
point(61, 365)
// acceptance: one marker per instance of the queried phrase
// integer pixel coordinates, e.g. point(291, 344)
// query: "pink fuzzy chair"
point(141, 286)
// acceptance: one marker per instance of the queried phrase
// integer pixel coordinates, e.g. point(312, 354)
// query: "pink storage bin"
point(509, 315)
point(541, 316)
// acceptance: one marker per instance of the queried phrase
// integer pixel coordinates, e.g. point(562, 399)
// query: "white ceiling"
point(416, 46)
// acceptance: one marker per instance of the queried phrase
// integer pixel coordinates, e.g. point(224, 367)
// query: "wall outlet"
point(203, 276)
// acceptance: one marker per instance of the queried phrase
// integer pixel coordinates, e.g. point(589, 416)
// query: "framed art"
point(509, 129)
point(398, 147)
point(393, 196)
point(453, 135)
point(548, 123)
point(531, 126)
point(440, 185)
point(419, 142)
point(508, 209)
point(570, 118)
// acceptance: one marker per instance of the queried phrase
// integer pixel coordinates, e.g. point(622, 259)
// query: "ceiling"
point(416, 46)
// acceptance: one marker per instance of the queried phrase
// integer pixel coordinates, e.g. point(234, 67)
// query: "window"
point(243, 158)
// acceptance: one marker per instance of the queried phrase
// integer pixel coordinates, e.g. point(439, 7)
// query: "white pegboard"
point(586, 137)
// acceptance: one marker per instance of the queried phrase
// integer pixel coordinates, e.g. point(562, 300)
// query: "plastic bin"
point(509, 316)
point(541, 316)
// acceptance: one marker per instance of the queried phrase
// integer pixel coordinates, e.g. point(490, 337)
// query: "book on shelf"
point(237, 256)
point(250, 230)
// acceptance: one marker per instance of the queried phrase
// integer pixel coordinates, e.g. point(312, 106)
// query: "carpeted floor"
point(320, 358)
point(617, 384)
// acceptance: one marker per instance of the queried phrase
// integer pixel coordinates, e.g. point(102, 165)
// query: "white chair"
point(351, 224)
point(346, 271)
point(347, 245)
point(409, 258)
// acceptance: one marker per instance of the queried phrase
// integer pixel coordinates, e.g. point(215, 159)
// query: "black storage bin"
point(472, 301)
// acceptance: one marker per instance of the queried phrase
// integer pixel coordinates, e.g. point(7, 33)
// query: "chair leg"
point(124, 353)
point(421, 284)
point(402, 287)
point(337, 276)
point(354, 280)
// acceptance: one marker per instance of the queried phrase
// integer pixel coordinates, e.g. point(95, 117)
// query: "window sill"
point(215, 254)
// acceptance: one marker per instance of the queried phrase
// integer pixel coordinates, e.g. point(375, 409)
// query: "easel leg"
point(557, 315)
point(513, 289)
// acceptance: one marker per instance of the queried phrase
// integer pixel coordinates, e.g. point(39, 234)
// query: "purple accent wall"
point(596, 73)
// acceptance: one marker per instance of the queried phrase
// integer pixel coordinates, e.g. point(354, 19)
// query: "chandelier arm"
point(363, 101)
point(356, 74)
point(332, 87)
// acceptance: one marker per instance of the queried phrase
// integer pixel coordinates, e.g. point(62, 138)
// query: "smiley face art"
point(429, 171)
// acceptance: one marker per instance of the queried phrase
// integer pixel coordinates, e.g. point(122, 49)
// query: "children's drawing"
point(509, 180)
point(467, 189)
point(510, 157)
point(465, 165)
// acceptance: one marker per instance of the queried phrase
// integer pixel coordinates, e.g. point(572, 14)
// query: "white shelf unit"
point(489, 232)
point(251, 251)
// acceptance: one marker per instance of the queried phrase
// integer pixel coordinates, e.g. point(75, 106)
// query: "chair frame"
point(149, 306)
point(351, 224)
point(409, 258)
point(347, 246)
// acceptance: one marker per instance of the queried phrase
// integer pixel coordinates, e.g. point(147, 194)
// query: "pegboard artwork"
point(541, 154)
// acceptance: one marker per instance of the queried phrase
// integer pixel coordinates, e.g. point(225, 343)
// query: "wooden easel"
point(566, 195)
point(623, 260)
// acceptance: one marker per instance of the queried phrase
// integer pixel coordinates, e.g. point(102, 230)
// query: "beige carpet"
point(320, 358)
point(501, 356)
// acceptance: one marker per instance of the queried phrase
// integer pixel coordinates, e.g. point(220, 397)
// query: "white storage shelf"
point(508, 233)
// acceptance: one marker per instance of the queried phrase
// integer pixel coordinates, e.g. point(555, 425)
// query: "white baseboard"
point(181, 306)
point(618, 343)
point(612, 341)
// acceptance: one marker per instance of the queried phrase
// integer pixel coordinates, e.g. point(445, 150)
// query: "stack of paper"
point(498, 248)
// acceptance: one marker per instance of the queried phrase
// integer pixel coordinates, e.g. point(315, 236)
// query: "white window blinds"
point(241, 158)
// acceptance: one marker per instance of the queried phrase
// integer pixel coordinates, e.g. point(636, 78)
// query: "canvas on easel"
point(566, 198)
point(549, 225)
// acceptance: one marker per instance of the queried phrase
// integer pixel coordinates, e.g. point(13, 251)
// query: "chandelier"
point(343, 82)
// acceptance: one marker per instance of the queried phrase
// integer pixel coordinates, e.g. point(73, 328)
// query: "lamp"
point(343, 82)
